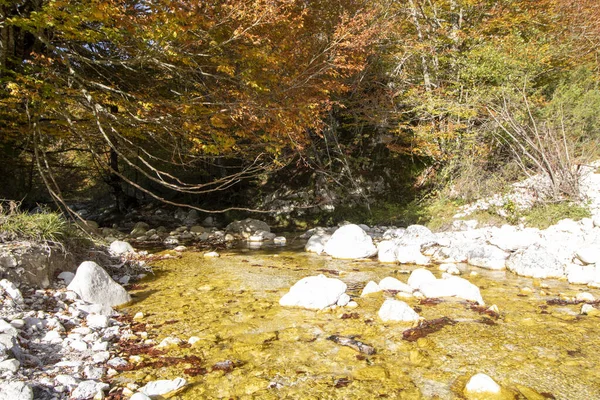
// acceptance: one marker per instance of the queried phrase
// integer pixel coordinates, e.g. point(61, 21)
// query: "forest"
point(264, 105)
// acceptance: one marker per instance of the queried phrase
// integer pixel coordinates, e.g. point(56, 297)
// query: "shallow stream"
point(252, 348)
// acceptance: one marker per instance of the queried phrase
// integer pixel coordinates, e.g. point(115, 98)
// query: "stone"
point(581, 274)
point(169, 342)
point(97, 321)
point(588, 309)
point(396, 310)
point(481, 384)
point(139, 396)
point(343, 300)
point(350, 242)
point(8, 328)
point(371, 287)
point(314, 292)
point(452, 286)
point(197, 229)
point(212, 254)
point(66, 276)
point(280, 240)
point(12, 291)
point(9, 342)
point(163, 387)
point(11, 365)
point(509, 238)
point(389, 283)
point(411, 254)
point(450, 268)
point(93, 284)
point(536, 261)
point(488, 257)
point(99, 309)
point(248, 226)
point(316, 243)
point(585, 296)
point(386, 251)
point(67, 380)
point(419, 277)
point(15, 390)
point(88, 389)
point(119, 247)
point(417, 235)
point(101, 357)
point(588, 255)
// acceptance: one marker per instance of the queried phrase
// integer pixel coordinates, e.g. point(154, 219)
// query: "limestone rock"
point(93, 284)
point(15, 391)
point(316, 243)
point(350, 242)
point(12, 291)
point(588, 255)
point(163, 387)
point(417, 235)
point(452, 286)
point(119, 247)
point(88, 389)
point(314, 292)
point(389, 283)
point(371, 287)
point(396, 310)
point(581, 274)
point(536, 261)
point(386, 251)
point(488, 256)
point(481, 384)
point(419, 277)
point(411, 254)
point(247, 226)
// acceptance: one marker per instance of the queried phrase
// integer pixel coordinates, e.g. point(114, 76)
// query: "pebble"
point(11, 365)
point(212, 254)
point(585, 296)
point(480, 384)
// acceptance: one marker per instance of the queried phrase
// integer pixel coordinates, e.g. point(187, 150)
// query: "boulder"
point(163, 388)
point(11, 290)
point(93, 284)
point(488, 257)
point(588, 254)
point(536, 261)
point(350, 242)
point(119, 247)
point(419, 277)
point(411, 254)
point(371, 287)
point(88, 389)
point(247, 227)
point(581, 274)
point(386, 251)
point(452, 286)
point(389, 283)
point(15, 391)
point(316, 243)
point(396, 310)
point(417, 235)
point(510, 238)
point(481, 384)
point(314, 292)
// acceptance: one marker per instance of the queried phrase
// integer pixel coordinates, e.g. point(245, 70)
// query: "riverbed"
point(249, 347)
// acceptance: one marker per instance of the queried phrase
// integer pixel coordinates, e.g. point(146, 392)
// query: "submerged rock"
point(370, 287)
point(481, 384)
point(314, 292)
point(389, 283)
point(350, 242)
point(92, 283)
point(163, 387)
point(452, 286)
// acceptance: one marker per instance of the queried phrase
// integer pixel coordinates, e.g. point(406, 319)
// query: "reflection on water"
point(534, 351)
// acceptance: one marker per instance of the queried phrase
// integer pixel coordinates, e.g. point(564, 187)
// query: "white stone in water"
point(371, 287)
point(316, 243)
point(411, 254)
point(585, 296)
point(452, 286)
point(314, 292)
point(488, 257)
point(386, 251)
point(280, 240)
point(343, 300)
point(15, 391)
point(389, 283)
point(97, 321)
point(396, 310)
point(138, 316)
point(193, 339)
point(212, 254)
point(169, 342)
point(88, 389)
point(419, 277)
point(588, 255)
point(350, 242)
point(93, 284)
point(119, 247)
point(139, 396)
point(163, 387)
point(78, 345)
point(66, 276)
point(481, 383)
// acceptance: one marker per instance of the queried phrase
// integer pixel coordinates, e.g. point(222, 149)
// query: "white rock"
point(212, 254)
point(179, 249)
point(536, 261)
point(94, 373)
point(585, 296)
point(350, 242)
point(100, 346)
point(15, 391)
point(66, 276)
point(67, 380)
point(169, 342)
point(510, 238)
point(119, 247)
point(396, 310)
point(588, 255)
point(390, 283)
point(88, 389)
point(12, 291)
point(280, 240)
point(581, 274)
point(101, 357)
point(488, 256)
point(452, 286)
point(11, 365)
point(52, 337)
point(193, 339)
point(481, 383)
point(386, 251)
point(420, 276)
point(316, 243)
point(343, 300)
point(450, 268)
point(139, 396)
point(78, 345)
point(417, 235)
point(314, 292)
point(256, 238)
point(588, 309)
point(411, 254)
point(163, 387)
point(371, 287)
point(97, 321)
point(98, 309)
point(92, 283)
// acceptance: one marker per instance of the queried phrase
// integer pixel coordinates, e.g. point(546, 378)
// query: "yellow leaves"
point(219, 121)
point(226, 69)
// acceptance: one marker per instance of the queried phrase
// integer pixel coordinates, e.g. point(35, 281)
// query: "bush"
point(544, 215)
